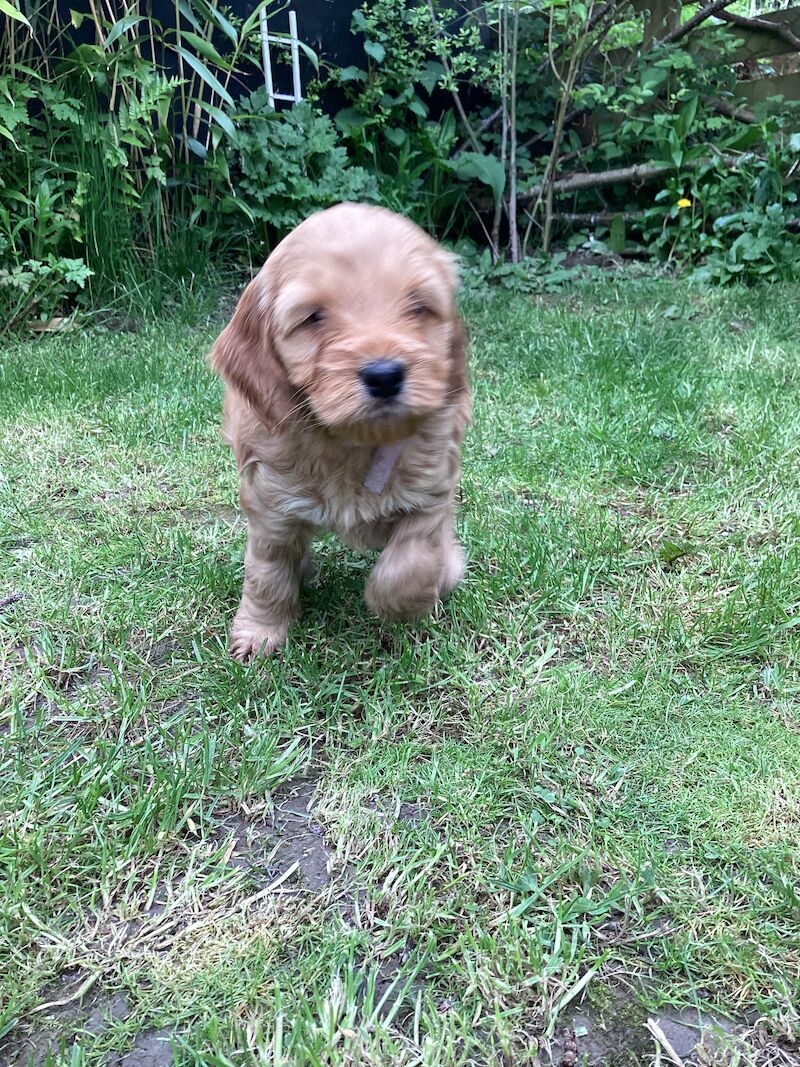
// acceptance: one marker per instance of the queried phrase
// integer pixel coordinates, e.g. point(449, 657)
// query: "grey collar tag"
point(383, 463)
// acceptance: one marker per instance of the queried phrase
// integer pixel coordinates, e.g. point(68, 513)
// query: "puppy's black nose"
point(383, 378)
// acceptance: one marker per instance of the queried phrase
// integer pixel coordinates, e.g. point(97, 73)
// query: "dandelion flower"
point(683, 202)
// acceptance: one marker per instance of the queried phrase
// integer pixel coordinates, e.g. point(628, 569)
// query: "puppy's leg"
point(454, 562)
point(276, 550)
point(421, 563)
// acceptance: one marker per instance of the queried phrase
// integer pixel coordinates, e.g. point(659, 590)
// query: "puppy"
point(346, 403)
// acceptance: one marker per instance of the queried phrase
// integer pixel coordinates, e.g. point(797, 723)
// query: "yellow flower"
point(683, 202)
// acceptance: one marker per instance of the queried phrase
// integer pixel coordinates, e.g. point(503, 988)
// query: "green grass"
point(581, 779)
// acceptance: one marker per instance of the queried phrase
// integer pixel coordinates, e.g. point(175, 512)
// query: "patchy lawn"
point(561, 819)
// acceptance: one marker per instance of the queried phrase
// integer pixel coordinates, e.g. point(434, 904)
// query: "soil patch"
point(617, 1035)
point(292, 835)
point(264, 850)
point(92, 1014)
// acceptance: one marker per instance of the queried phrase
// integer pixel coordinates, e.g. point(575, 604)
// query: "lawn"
point(560, 820)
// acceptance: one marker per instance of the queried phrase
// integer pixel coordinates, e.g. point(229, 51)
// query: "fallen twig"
point(605, 218)
point(640, 172)
point(743, 114)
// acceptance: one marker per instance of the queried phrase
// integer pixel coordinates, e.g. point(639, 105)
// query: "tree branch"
point(724, 107)
point(473, 140)
point(605, 218)
point(641, 172)
point(696, 20)
point(780, 29)
point(513, 232)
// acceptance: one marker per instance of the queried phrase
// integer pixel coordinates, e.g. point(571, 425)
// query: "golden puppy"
point(347, 398)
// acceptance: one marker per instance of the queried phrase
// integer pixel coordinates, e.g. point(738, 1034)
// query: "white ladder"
point(268, 38)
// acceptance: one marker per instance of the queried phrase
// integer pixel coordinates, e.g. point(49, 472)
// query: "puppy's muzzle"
point(383, 378)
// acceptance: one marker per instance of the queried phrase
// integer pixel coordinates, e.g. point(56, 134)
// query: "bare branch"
point(742, 114)
point(641, 172)
point(780, 29)
point(502, 34)
point(696, 20)
point(597, 218)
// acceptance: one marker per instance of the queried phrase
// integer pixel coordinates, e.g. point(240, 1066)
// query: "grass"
point(575, 790)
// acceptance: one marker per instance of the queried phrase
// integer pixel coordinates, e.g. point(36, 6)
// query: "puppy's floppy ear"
point(244, 355)
point(459, 388)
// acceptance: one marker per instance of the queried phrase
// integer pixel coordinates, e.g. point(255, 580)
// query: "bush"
point(286, 164)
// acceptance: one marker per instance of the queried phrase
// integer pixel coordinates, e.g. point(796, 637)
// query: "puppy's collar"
point(383, 463)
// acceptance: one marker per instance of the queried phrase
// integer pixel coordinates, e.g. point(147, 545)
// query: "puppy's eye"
point(314, 319)
point(419, 310)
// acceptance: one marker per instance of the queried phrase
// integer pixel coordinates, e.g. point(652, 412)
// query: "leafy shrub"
point(287, 164)
point(753, 245)
point(40, 197)
point(36, 288)
point(668, 108)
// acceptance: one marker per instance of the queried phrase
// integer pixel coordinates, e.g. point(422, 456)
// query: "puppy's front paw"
point(403, 603)
point(249, 640)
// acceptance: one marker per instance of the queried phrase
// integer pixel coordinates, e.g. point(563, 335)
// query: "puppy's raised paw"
point(400, 603)
point(248, 641)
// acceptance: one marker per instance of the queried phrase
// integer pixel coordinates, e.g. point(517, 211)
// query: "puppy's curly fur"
point(350, 286)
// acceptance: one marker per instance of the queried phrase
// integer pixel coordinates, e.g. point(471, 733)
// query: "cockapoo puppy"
point(346, 403)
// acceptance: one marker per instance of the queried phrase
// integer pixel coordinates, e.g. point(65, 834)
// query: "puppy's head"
point(351, 325)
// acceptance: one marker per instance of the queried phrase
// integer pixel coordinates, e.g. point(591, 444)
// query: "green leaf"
point(794, 142)
point(229, 30)
point(211, 81)
point(310, 55)
point(745, 139)
point(220, 117)
point(185, 9)
point(430, 75)
point(198, 149)
point(5, 132)
point(670, 551)
point(395, 135)
point(352, 74)
point(8, 9)
point(229, 204)
point(617, 237)
point(348, 119)
point(484, 168)
point(653, 76)
point(120, 26)
point(686, 116)
point(376, 50)
point(205, 48)
point(252, 20)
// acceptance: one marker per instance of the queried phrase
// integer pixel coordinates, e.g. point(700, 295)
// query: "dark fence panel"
point(324, 25)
